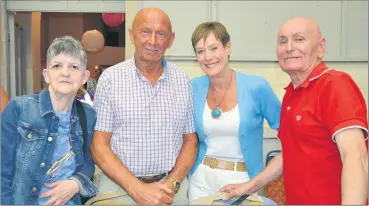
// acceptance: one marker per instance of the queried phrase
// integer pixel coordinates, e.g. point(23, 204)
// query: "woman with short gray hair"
point(46, 137)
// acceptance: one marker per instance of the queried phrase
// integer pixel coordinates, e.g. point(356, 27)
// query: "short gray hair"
point(69, 46)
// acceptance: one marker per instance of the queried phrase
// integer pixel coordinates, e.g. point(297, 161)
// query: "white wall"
point(346, 26)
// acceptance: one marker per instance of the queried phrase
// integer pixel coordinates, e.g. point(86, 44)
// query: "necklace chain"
point(212, 90)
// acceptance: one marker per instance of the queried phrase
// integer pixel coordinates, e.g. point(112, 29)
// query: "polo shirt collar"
point(317, 72)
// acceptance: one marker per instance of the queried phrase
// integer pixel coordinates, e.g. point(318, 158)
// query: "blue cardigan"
point(256, 101)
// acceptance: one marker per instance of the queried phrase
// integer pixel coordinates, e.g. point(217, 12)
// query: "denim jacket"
point(28, 130)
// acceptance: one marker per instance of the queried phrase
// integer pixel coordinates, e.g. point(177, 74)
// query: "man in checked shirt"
point(145, 141)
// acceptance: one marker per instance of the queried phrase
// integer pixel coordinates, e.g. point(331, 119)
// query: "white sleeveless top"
point(222, 135)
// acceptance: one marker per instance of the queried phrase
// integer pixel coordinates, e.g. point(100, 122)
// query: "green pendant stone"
point(216, 113)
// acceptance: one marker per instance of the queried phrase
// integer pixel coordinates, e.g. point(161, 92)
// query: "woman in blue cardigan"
point(229, 108)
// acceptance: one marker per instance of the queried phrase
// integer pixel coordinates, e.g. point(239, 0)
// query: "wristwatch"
point(175, 182)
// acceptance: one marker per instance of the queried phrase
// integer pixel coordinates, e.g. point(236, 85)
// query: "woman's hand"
point(61, 192)
point(236, 190)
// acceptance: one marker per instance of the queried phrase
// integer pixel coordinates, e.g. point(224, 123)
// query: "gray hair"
point(69, 46)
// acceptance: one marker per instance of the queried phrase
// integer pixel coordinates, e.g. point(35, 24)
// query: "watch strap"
point(174, 181)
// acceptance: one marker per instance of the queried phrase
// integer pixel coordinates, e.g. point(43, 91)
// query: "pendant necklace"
point(217, 111)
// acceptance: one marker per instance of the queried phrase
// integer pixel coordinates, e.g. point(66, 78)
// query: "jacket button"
point(34, 189)
point(49, 139)
point(42, 165)
point(29, 136)
point(53, 117)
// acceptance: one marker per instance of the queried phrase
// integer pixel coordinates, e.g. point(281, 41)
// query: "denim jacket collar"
point(46, 106)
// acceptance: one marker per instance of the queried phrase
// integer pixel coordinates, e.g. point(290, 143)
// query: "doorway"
point(20, 70)
point(24, 63)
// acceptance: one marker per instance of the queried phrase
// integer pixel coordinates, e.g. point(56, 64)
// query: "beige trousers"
point(107, 186)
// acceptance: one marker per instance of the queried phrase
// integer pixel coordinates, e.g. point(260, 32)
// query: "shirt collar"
point(46, 105)
point(317, 72)
point(165, 68)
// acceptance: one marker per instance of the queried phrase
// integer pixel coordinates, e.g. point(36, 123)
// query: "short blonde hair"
point(203, 30)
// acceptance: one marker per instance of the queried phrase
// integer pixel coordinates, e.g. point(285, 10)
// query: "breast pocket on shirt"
point(33, 140)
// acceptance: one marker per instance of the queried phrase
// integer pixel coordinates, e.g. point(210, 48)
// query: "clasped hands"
point(156, 193)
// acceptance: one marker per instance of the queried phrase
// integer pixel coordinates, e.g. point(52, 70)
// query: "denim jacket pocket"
point(30, 133)
point(33, 138)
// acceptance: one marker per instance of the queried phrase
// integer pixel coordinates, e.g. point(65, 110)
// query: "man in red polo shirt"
point(323, 129)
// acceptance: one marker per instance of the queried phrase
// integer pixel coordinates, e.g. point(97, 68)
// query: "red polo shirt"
point(327, 102)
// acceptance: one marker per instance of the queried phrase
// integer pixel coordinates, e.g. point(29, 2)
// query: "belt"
point(152, 179)
point(226, 165)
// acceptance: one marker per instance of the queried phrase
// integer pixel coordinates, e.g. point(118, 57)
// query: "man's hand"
point(61, 193)
point(152, 194)
point(170, 185)
point(236, 190)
